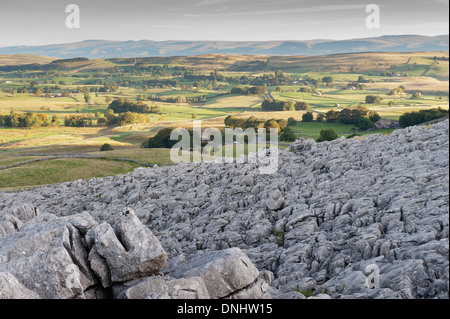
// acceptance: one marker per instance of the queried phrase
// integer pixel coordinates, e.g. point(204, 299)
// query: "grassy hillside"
point(207, 78)
point(20, 59)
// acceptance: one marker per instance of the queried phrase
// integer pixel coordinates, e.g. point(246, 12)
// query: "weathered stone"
point(224, 272)
point(274, 200)
point(47, 256)
point(10, 288)
point(157, 287)
point(138, 253)
point(331, 209)
point(256, 290)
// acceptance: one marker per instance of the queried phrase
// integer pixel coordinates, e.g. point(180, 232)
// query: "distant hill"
point(100, 49)
point(21, 59)
point(432, 64)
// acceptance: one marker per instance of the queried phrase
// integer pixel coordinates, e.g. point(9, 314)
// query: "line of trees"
point(79, 120)
point(351, 115)
point(422, 116)
point(255, 90)
point(28, 120)
point(174, 99)
point(272, 79)
point(125, 105)
point(284, 106)
point(110, 119)
point(253, 122)
point(162, 139)
point(373, 99)
point(127, 118)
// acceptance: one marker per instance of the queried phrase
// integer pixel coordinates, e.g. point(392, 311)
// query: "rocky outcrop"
point(331, 212)
point(45, 256)
point(386, 124)
point(128, 251)
point(224, 272)
point(47, 249)
point(163, 288)
point(10, 288)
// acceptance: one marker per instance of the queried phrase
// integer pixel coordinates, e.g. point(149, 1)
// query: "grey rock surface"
point(10, 288)
point(163, 288)
point(223, 272)
point(138, 253)
point(46, 255)
point(331, 210)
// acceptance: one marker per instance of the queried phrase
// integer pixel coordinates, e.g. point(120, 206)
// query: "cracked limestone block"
point(275, 199)
point(130, 251)
point(224, 272)
point(257, 290)
point(19, 215)
point(10, 288)
point(46, 256)
point(167, 287)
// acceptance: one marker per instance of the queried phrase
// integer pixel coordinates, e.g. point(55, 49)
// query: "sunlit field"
point(415, 72)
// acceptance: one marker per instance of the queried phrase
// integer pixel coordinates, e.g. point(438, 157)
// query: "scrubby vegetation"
point(422, 116)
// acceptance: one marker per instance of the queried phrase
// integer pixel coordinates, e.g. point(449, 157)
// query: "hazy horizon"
point(42, 22)
point(212, 40)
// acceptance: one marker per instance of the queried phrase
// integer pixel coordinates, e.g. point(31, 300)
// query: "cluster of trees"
point(174, 99)
point(315, 83)
point(106, 148)
point(125, 105)
point(156, 83)
point(271, 79)
point(28, 120)
point(373, 99)
point(253, 122)
point(422, 116)
point(361, 117)
point(255, 90)
point(110, 119)
point(127, 118)
point(154, 70)
point(79, 120)
point(109, 87)
point(309, 117)
point(284, 106)
point(416, 96)
point(329, 81)
point(357, 85)
point(399, 90)
point(307, 89)
point(387, 73)
point(362, 79)
point(162, 139)
point(327, 135)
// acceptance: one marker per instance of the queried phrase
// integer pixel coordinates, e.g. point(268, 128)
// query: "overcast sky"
point(37, 22)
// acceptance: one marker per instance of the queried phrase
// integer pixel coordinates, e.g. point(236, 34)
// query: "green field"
point(60, 170)
point(417, 72)
point(312, 129)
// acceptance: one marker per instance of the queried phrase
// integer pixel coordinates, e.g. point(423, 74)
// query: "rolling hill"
point(98, 49)
point(21, 59)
